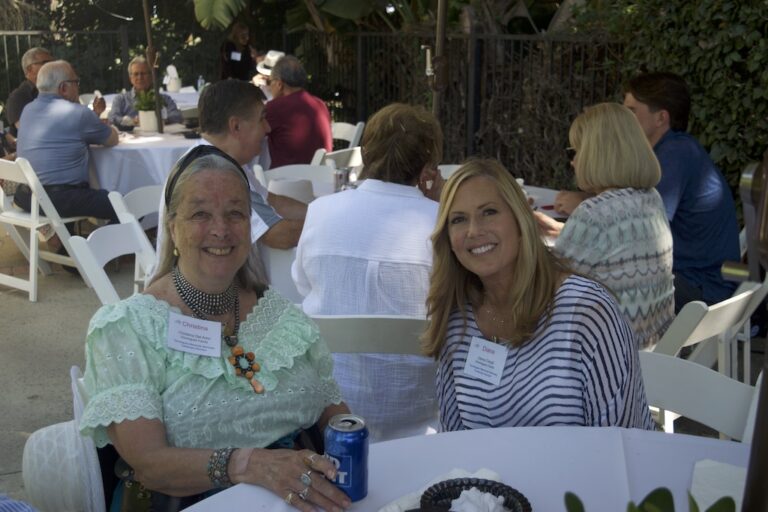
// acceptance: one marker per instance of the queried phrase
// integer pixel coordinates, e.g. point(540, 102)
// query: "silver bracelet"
point(217, 467)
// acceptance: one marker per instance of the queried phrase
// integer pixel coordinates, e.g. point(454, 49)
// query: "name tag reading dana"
point(485, 360)
point(236, 56)
point(193, 335)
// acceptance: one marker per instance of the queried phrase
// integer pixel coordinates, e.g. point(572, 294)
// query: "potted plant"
point(659, 500)
point(145, 106)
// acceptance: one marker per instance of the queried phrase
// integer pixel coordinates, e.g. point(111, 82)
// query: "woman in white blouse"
point(367, 251)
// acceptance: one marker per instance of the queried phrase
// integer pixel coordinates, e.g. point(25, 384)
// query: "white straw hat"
point(265, 66)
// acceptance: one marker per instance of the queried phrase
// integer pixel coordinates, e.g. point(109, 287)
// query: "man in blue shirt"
point(54, 134)
point(698, 201)
point(141, 80)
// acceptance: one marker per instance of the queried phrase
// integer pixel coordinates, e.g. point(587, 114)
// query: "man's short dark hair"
point(224, 99)
point(290, 71)
point(663, 91)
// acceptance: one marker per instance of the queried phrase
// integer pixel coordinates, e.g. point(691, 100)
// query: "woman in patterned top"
point(620, 235)
point(192, 412)
point(520, 340)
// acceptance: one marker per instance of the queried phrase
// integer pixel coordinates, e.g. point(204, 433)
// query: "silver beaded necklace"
point(210, 304)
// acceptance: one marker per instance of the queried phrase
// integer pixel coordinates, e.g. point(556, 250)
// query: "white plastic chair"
point(698, 393)
point(107, 243)
point(344, 158)
point(351, 133)
point(319, 173)
point(446, 170)
point(373, 334)
point(141, 203)
point(277, 263)
point(12, 218)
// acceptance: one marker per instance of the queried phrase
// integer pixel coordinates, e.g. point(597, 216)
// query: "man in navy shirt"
point(698, 201)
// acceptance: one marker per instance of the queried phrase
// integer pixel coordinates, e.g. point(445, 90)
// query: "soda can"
point(346, 445)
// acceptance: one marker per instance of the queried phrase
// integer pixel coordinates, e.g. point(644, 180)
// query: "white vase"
point(147, 121)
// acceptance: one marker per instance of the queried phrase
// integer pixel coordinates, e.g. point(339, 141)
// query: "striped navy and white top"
point(580, 368)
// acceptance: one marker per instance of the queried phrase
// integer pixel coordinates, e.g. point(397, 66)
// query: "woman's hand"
point(547, 225)
point(567, 201)
point(302, 478)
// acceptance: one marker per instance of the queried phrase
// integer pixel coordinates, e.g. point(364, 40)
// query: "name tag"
point(193, 335)
point(485, 360)
point(236, 56)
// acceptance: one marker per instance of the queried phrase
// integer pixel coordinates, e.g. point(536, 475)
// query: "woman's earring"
point(175, 252)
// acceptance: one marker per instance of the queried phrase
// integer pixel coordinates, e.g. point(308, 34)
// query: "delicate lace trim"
point(128, 402)
point(275, 331)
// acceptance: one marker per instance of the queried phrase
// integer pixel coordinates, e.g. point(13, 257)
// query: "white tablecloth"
point(137, 161)
point(605, 467)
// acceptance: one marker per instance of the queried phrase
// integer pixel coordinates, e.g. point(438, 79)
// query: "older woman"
point(367, 251)
point(520, 340)
point(620, 236)
point(207, 378)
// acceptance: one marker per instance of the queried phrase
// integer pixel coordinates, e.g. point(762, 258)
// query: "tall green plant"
point(719, 46)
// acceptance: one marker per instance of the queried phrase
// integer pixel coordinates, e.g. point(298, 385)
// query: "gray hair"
point(250, 275)
point(30, 56)
point(52, 74)
point(139, 59)
point(289, 70)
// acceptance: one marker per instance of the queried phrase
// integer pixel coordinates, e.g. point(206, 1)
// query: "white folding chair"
point(373, 334)
point(698, 393)
point(321, 176)
point(446, 170)
point(107, 243)
point(344, 158)
point(317, 158)
point(141, 203)
point(12, 218)
point(277, 263)
point(351, 133)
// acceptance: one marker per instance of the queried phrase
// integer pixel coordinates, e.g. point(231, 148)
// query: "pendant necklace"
point(210, 304)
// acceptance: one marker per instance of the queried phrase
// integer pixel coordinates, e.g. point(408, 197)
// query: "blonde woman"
point(520, 340)
point(620, 236)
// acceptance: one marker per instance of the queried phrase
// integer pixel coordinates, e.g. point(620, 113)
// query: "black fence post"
point(362, 84)
point(124, 57)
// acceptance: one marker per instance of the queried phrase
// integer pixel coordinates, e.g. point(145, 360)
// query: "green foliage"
point(659, 500)
point(145, 100)
point(218, 13)
point(719, 46)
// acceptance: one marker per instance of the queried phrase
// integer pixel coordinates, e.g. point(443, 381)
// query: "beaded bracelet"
point(217, 467)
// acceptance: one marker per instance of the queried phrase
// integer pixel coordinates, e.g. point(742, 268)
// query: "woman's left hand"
point(547, 225)
point(302, 478)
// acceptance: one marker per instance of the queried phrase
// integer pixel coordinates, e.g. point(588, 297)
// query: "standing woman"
point(620, 235)
point(207, 379)
point(561, 352)
point(236, 59)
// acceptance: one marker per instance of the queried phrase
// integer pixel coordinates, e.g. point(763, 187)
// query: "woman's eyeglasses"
point(192, 155)
point(570, 153)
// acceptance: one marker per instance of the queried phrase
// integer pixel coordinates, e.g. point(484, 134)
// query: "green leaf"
point(725, 504)
point(573, 503)
point(692, 505)
point(217, 13)
point(660, 500)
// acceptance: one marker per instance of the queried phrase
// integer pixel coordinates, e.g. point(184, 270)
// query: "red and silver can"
point(346, 445)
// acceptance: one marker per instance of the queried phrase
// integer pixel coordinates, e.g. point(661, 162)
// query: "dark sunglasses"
point(570, 153)
point(192, 155)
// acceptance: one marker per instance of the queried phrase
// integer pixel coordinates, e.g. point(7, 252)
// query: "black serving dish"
point(440, 495)
point(124, 128)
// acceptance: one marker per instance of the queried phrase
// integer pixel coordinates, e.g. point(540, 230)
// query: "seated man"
point(300, 122)
point(54, 134)
point(141, 80)
point(31, 62)
point(699, 204)
point(232, 119)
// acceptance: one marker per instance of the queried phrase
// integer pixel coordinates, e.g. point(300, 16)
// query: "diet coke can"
point(346, 445)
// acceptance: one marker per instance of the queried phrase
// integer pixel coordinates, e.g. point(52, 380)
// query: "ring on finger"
point(306, 478)
point(289, 497)
point(304, 492)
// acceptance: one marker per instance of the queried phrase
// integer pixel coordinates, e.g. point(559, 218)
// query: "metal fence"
point(507, 97)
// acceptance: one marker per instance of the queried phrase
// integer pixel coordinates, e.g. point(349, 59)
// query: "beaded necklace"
point(202, 304)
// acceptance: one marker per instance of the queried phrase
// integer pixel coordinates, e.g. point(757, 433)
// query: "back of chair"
point(277, 263)
point(105, 244)
point(139, 202)
point(375, 334)
point(696, 392)
point(320, 173)
point(344, 158)
point(446, 170)
point(352, 133)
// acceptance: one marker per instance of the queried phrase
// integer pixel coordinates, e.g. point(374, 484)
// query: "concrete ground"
point(39, 342)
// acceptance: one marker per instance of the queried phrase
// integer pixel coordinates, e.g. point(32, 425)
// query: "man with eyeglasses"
point(54, 134)
point(141, 80)
point(31, 62)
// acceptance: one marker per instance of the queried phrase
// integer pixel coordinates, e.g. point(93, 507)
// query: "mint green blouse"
point(131, 373)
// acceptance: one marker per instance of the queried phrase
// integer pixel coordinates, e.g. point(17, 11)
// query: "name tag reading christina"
point(485, 360)
point(193, 335)
point(236, 56)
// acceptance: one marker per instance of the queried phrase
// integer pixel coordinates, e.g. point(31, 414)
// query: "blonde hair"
point(247, 275)
point(537, 271)
point(612, 150)
point(399, 141)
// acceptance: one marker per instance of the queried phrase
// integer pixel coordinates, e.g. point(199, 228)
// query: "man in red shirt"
point(300, 122)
